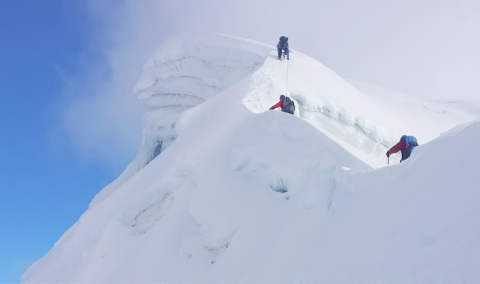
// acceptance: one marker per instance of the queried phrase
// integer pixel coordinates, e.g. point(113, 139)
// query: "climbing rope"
point(286, 81)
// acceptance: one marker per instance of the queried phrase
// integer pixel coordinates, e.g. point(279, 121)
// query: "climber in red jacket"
point(286, 104)
point(406, 145)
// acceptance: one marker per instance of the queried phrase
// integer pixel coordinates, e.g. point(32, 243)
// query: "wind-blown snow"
point(249, 195)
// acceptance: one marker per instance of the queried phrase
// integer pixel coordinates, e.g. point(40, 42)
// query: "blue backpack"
point(283, 43)
point(411, 141)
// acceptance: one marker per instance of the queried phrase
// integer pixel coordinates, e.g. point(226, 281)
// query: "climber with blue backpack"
point(286, 104)
point(406, 145)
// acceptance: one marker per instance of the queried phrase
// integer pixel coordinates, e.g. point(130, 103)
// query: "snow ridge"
point(223, 190)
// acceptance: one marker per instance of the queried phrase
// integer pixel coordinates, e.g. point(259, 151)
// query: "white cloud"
point(100, 114)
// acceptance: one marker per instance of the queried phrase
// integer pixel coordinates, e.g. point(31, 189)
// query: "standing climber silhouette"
point(283, 45)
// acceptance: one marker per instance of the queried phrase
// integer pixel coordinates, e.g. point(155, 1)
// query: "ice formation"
point(184, 73)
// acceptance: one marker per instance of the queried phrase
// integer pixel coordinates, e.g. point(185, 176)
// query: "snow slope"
point(248, 195)
point(215, 190)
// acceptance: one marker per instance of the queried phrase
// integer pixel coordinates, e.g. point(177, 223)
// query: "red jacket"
point(401, 146)
point(404, 147)
point(279, 104)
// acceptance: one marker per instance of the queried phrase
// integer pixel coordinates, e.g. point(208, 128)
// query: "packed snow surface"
point(242, 194)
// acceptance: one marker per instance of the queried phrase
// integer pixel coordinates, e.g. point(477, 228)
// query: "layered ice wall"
point(184, 73)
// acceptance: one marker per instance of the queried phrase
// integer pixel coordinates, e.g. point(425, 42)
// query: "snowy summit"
point(225, 190)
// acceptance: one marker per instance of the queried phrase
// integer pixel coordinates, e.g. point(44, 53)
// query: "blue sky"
point(44, 186)
point(70, 125)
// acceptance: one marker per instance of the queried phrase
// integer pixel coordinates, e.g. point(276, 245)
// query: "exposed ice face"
point(183, 74)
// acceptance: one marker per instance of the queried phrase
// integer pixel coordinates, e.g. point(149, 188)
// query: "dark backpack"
point(288, 105)
point(283, 39)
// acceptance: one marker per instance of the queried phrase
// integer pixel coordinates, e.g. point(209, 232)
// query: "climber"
point(286, 104)
point(406, 145)
point(283, 44)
